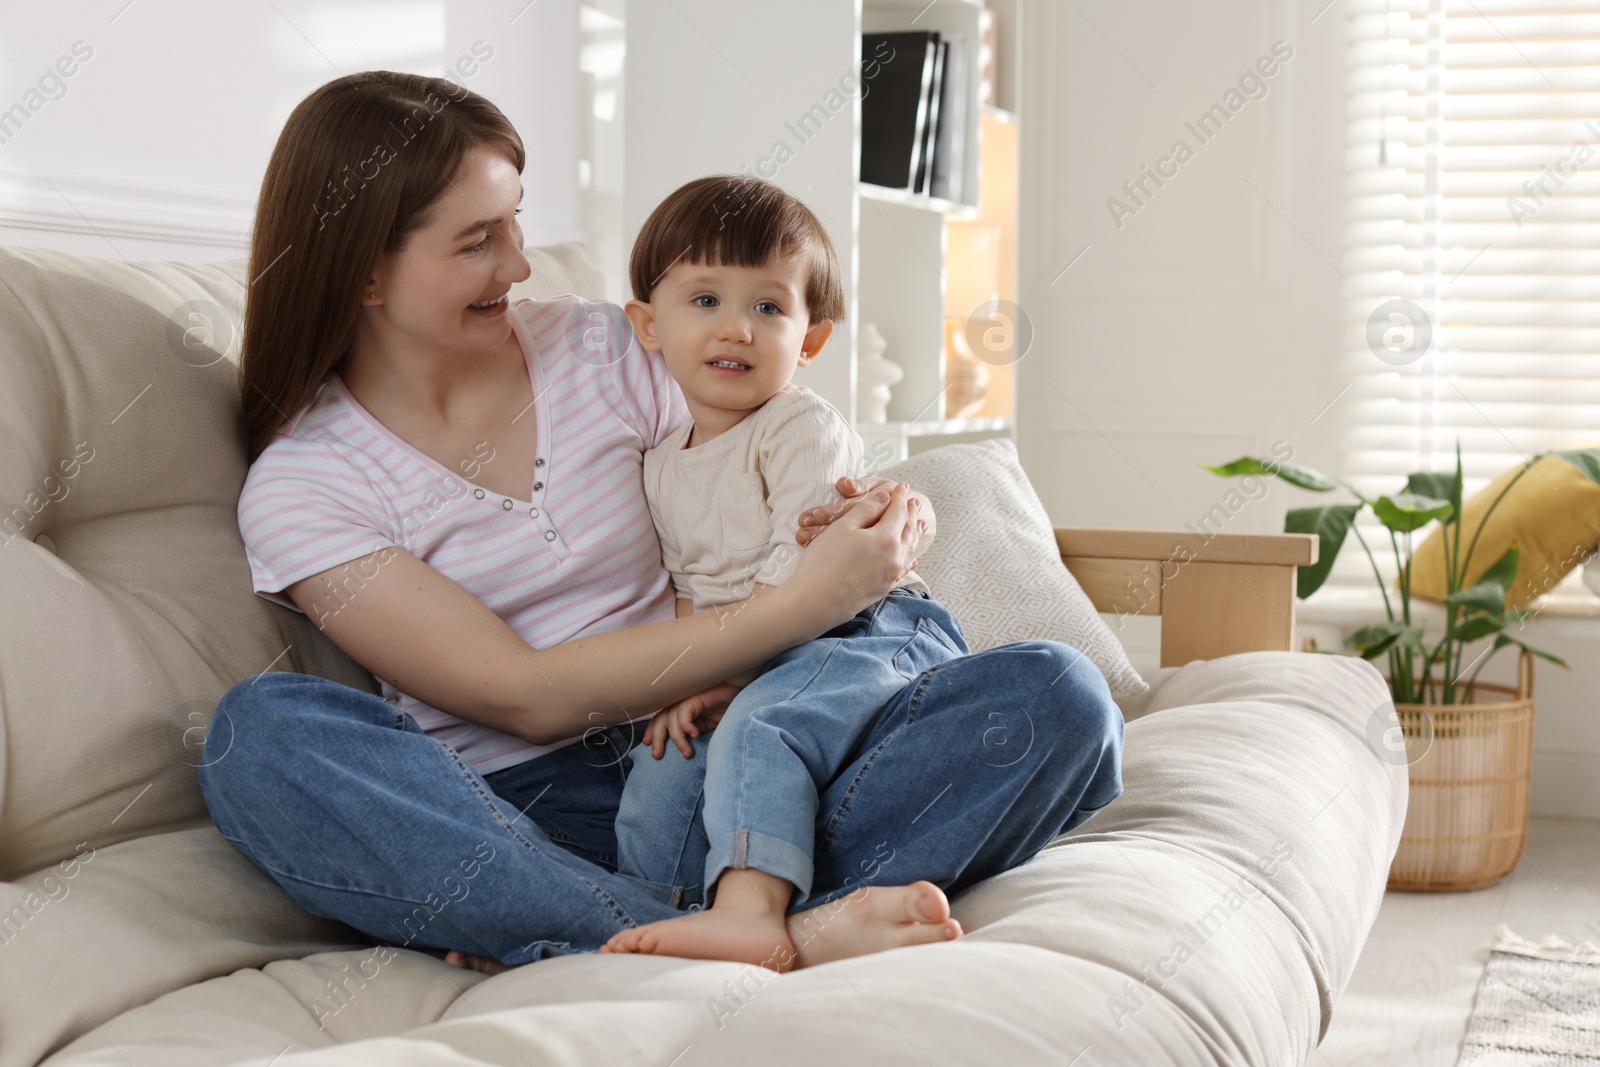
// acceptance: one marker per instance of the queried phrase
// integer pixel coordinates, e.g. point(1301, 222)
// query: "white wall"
point(155, 146)
point(602, 53)
point(1207, 325)
point(1204, 326)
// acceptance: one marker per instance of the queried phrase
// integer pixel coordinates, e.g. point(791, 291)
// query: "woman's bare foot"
point(468, 962)
point(872, 919)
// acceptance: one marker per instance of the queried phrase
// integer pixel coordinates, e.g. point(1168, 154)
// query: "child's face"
point(731, 336)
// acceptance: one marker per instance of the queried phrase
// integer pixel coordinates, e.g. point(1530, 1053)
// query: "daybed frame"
point(1216, 594)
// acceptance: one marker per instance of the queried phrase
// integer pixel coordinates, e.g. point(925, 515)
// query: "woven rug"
point(1538, 1005)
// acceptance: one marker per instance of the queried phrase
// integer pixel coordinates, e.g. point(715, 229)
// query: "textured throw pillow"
point(995, 562)
point(1553, 515)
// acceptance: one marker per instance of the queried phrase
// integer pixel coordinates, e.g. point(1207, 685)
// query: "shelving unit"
point(920, 201)
point(712, 88)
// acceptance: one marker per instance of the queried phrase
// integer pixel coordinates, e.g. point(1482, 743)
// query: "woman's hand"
point(814, 520)
point(861, 554)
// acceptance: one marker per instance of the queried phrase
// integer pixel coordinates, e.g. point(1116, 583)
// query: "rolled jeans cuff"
point(770, 855)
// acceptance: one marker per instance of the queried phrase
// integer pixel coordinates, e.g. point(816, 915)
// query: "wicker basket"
point(1471, 765)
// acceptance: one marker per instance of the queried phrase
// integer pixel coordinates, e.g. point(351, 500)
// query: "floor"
point(1408, 1002)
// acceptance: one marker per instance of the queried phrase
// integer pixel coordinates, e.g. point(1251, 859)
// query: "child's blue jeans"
point(760, 777)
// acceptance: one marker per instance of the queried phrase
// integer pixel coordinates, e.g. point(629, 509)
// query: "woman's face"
point(469, 251)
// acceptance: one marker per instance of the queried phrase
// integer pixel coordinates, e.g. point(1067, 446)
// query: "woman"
point(398, 408)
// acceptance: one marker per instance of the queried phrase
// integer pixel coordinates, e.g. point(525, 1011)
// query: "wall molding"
point(80, 202)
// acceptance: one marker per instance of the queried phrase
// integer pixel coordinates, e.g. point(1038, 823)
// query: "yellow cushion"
point(1552, 513)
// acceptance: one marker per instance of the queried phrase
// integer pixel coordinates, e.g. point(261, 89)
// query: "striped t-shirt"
point(577, 556)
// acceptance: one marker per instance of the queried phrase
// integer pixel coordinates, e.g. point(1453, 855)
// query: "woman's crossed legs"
point(361, 817)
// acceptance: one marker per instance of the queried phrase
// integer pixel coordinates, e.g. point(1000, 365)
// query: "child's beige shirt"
point(727, 510)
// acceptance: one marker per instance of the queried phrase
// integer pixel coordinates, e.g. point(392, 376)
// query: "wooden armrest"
point(1216, 594)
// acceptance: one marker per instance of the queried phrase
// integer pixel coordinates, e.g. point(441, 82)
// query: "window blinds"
point(1471, 240)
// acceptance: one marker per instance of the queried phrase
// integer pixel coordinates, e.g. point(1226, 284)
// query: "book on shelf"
point(924, 172)
point(894, 109)
point(950, 143)
point(914, 112)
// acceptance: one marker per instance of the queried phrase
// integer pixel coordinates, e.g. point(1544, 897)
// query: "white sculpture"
point(874, 375)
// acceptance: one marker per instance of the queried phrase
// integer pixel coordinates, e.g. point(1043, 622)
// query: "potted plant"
point(1470, 760)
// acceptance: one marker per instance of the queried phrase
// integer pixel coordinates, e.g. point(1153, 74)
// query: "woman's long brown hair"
point(357, 163)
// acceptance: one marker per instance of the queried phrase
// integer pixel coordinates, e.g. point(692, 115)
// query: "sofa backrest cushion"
point(128, 608)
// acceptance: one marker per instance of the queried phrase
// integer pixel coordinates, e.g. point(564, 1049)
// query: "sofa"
point(1211, 915)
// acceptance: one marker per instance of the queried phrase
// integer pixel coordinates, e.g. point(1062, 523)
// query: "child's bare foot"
point(746, 925)
point(716, 934)
point(468, 962)
point(872, 919)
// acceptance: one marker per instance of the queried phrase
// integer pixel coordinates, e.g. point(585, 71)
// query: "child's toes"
point(623, 941)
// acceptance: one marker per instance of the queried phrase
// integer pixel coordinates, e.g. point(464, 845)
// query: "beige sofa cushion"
point(132, 921)
point(129, 608)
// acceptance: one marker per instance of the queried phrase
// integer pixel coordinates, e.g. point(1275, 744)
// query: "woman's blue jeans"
point(361, 817)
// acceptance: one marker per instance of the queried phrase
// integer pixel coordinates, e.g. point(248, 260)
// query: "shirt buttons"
point(538, 461)
point(549, 535)
point(478, 493)
point(537, 486)
point(534, 512)
point(507, 504)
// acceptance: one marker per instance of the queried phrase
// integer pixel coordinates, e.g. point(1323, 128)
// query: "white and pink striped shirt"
point(578, 556)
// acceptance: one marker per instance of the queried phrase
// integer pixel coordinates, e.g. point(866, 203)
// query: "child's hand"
point(687, 718)
point(814, 520)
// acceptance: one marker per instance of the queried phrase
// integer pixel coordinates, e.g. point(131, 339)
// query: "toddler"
point(736, 286)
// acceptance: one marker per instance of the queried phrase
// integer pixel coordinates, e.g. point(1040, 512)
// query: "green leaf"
point(1435, 484)
point(1331, 524)
point(1373, 641)
point(1370, 635)
point(1304, 477)
point(1489, 597)
point(1503, 572)
point(1455, 485)
point(1405, 512)
point(1506, 639)
point(1585, 459)
point(1478, 627)
point(1242, 465)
